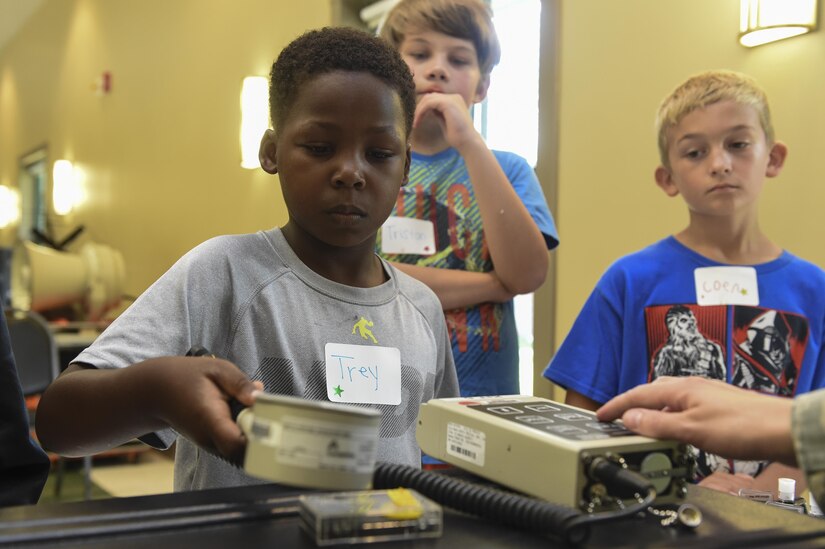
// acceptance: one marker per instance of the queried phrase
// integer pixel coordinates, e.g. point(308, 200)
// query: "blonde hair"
point(707, 88)
point(466, 19)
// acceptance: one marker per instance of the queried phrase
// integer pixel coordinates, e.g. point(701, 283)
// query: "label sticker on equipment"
point(267, 433)
point(466, 443)
point(315, 444)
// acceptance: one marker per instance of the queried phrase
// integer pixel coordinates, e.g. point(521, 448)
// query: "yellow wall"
point(161, 152)
point(618, 60)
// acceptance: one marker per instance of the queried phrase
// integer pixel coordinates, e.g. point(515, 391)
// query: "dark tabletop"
point(266, 516)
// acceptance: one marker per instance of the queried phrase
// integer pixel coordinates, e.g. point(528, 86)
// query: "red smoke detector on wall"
point(103, 85)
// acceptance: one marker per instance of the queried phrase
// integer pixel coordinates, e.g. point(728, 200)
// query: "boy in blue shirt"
point(718, 299)
point(484, 211)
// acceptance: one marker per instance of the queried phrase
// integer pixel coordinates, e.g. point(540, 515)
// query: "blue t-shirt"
point(483, 337)
point(642, 322)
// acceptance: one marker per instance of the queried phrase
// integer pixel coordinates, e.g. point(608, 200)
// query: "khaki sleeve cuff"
point(808, 431)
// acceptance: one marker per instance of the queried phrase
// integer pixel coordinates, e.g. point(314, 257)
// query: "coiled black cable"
point(503, 507)
point(519, 511)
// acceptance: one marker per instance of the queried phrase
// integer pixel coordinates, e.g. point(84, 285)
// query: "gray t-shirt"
point(249, 299)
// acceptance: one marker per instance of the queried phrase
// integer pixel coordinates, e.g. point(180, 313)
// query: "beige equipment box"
point(544, 448)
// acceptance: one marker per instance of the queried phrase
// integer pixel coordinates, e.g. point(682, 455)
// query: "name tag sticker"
point(403, 235)
point(726, 286)
point(363, 374)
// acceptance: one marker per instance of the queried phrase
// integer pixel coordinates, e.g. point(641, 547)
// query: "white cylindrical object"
point(105, 280)
point(787, 490)
point(43, 278)
point(814, 506)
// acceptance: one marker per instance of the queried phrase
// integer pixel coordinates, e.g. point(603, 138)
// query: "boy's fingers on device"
point(234, 383)
point(212, 429)
point(229, 442)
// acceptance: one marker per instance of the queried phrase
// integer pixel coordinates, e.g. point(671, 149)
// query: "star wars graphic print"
point(690, 340)
point(685, 340)
point(768, 348)
point(750, 347)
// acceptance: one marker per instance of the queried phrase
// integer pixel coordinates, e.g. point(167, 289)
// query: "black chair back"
point(35, 350)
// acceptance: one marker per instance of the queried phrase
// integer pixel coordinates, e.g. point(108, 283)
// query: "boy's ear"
point(267, 154)
point(664, 180)
point(407, 163)
point(776, 159)
point(481, 90)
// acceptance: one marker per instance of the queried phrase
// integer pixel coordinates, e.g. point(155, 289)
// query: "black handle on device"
point(235, 406)
point(199, 350)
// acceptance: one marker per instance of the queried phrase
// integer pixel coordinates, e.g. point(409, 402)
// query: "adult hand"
point(711, 415)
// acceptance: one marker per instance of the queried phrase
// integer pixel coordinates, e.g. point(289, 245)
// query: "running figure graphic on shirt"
point(363, 327)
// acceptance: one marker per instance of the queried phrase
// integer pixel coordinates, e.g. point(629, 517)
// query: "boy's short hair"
point(466, 19)
point(332, 49)
point(707, 88)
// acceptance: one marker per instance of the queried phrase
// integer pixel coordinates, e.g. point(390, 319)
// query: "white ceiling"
point(13, 14)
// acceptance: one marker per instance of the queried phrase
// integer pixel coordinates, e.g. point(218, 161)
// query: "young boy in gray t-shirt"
point(270, 303)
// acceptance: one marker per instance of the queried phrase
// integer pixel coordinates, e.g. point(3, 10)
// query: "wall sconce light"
point(67, 193)
point(9, 206)
point(254, 118)
point(763, 21)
